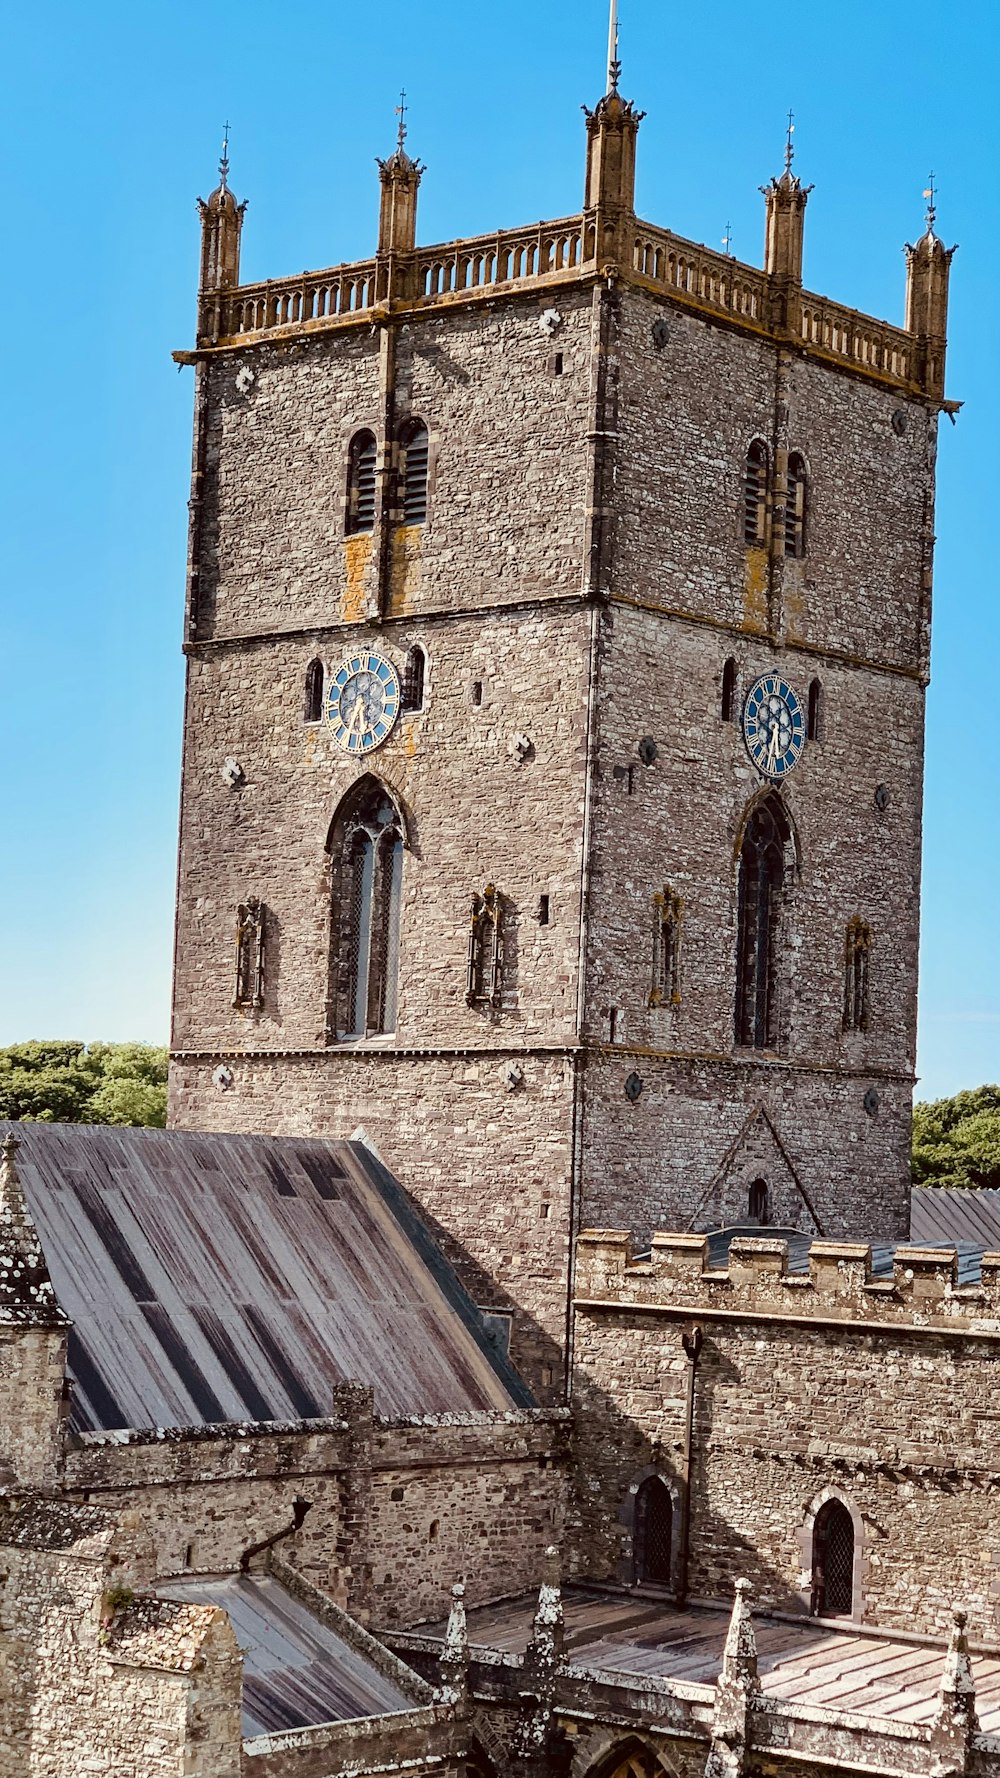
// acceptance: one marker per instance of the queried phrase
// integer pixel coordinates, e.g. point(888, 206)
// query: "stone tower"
point(557, 639)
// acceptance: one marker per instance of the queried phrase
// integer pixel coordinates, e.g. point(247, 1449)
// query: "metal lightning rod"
point(613, 67)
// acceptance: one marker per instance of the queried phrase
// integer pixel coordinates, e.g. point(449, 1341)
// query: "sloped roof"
point(297, 1672)
point(216, 1278)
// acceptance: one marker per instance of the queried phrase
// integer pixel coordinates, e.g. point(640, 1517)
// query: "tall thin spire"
point(224, 161)
point(614, 65)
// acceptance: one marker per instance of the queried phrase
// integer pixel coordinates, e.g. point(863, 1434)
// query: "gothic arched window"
point(654, 1524)
point(755, 494)
point(666, 988)
point(366, 856)
point(833, 1561)
point(249, 988)
point(728, 709)
point(856, 968)
point(484, 976)
point(761, 884)
point(415, 445)
point(412, 695)
point(361, 482)
point(314, 691)
point(758, 1202)
point(795, 506)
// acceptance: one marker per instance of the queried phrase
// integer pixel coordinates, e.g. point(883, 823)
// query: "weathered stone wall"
point(32, 1371)
point(878, 1392)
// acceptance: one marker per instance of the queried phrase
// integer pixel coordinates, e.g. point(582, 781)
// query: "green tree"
point(956, 1141)
point(69, 1082)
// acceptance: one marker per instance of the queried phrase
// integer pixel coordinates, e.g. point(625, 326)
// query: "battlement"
point(605, 242)
point(918, 1287)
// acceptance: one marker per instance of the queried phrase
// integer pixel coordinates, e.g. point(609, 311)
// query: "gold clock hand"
point(357, 717)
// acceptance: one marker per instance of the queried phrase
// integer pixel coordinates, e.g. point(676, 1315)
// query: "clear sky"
point(110, 127)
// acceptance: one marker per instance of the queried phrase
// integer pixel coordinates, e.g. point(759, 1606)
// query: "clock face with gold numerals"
point(773, 725)
point(363, 702)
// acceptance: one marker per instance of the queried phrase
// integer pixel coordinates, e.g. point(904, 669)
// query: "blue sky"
point(110, 129)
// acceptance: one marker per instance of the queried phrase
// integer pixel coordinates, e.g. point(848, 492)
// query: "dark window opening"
point(758, 1204)
point(614, 1021)
point(654, 1516)
point(543, 910)
point(415, 444)
point(795, 507)
point(857, 960)
point(314, 691)
point(557, 365)
point(367, 859)
point(477, 693)
point(815, 710)
point(412, 697)
point(361, 483)
point(833, 1562)
point(755, 494)
point(761, 887)
point(728, 711)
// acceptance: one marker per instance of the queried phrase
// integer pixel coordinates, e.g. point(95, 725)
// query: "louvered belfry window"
point(361, 483)
point(856, 971)
point(755, 494)
point(366, 850)
point(833, 1562)
point(654, 1521)
point(415, 445)
point(759, 917)
point(795, 507)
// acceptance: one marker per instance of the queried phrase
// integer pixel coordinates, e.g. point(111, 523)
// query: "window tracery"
point(667, 911)
point(759, 911)
point(484, 983)
point(366, 850)
point(248, 994)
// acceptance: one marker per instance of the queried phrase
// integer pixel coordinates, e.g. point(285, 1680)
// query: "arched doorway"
point(654, 1524)
point(833, 1562)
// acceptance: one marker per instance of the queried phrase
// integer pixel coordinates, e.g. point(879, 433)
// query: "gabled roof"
point(215, 1278)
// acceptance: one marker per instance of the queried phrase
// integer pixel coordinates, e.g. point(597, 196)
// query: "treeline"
point(957, 1141)
point(76, 1083)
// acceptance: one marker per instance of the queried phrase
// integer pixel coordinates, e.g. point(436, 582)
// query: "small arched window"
point(414, 473)
point(814, 714)
point(666, 985)
point(755, 494)
point(856, 971)
point(654, 1524)
point(833, 1562)
point(361, 483)
point(484, 974)
point(761, 886)
point(412, 697)
point(728, 710)
point(314, 691)
point(758, 1203)
point(366, 853)
point(795, 507)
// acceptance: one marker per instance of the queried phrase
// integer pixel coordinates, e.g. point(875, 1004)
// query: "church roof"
point(222, 1278)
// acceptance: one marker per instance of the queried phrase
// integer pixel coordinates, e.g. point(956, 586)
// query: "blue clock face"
point(773, 726)
point(363, 702)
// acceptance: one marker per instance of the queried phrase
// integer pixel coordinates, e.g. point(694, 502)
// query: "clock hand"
point(357, 717)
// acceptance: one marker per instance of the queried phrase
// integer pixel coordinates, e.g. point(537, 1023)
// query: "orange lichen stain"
point(755, 590)
point(404, 577)
point(356, 553)
point(410, 739)
point(310, 745)
point(795, 609)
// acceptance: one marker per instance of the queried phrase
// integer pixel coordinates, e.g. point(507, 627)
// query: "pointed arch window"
point(728, 708)
point(484, 980)
point(667, 910)
point(654, 1525)
point(795, 506)
point(857, 962)
point(415, 443)
point(366, 852)
point(758, 1202)
point(248, 995)
point(833, 1561)
point(759, 920)
point(412, 696)
point(362, 459)
point(314, 692)
point(755, 494)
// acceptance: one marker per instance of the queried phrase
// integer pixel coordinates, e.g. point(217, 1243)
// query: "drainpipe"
point(692, 1342)
point(299, 1509)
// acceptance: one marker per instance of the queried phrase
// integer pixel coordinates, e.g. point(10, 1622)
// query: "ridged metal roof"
point(944, 1213)
point(217, 1278)
point(297, 1671)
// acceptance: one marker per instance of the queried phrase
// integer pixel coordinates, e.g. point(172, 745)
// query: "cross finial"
point(931, 195)
point(614, 65)
point(401, 114)
point(224, 162)
point(727, 239)
point(789, 146)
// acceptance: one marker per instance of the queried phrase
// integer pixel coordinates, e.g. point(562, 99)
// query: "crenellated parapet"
point(918, 1290)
